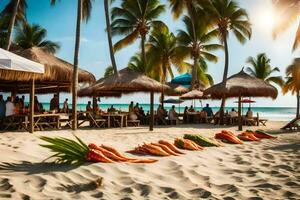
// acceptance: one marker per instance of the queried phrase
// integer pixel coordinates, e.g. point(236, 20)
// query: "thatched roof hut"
point(242, 84)
point(57, 76)
point(126, 81)
point(194, 94)
point(56, 69)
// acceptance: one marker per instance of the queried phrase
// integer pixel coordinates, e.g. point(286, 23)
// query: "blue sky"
point(60, 22)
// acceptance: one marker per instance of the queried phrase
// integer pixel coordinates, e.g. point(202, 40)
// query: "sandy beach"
point(268, 169)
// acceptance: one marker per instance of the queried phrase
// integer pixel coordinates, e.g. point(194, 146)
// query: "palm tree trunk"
point(298, 105)
point(194, 73)
point(143, 49)
point(191, 14)
point(163, 80)
point(75, 71)
point(225, 74)
point(109, 37)
point(12, 24)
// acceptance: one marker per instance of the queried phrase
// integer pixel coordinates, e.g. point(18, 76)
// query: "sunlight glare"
point(266, 19)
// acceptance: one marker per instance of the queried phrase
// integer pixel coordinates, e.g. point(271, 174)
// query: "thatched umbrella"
point(242, 84)
point(175, 89)
point(126, 81)
point(194, 94)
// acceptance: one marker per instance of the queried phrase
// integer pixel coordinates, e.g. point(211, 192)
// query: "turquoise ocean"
point(270, 113)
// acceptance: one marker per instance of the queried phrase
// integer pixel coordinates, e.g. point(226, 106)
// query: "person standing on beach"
point(130, 109)
point(66, 106)
point(54, 103)
point(10, 107)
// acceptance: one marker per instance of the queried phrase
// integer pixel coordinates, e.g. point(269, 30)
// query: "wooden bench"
point(135, 123)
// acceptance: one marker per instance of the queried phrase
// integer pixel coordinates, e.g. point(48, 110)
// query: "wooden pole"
point(151, 111)
point(57, 93)
point(31, 107)
point(240, 115)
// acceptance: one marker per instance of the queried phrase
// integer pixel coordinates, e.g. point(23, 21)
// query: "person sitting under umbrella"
point(173, 116)
point(161, 114)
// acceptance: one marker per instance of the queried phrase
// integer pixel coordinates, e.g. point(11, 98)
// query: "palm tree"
point(289, 12)
point(227, 16)
point(192, 7)
point(28, 36)
point(16, 11)
point(83, 14)
point(262, 69)
point(203, 76)
point(109, 71)
point(135, 63)
point(162, 53)
point(134, 19)
point(109, 37)
point(197, 46)
point(293, 81)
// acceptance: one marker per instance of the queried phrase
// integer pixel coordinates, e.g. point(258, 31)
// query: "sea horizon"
point(274, 113)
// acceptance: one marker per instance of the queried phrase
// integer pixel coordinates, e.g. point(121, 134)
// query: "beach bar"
point(56, 77)
point(14, 68)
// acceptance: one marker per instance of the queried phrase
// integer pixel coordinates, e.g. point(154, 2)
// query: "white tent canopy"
point(11, 61)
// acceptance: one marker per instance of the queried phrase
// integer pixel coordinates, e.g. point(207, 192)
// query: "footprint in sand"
point(292, 184)
point(268, 156)
point(144, 189)
point(97, 195)
point(127, 190)
point(200, 193)
point(269, 186)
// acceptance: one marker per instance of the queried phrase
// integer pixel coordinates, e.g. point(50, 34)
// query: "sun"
point(268, 19)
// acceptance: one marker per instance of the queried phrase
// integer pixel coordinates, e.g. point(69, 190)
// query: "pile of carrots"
point(108, 154)
point(162, 148)
point(229, 137)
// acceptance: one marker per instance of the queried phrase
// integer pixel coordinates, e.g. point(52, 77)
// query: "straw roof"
point(242, 84)
point(194, 94)
point(126, 81)
point(175, 89)
point(56, 69)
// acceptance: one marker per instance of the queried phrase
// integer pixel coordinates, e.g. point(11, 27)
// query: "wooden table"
point(20, 121)
point(111, 117)
point(46, 119)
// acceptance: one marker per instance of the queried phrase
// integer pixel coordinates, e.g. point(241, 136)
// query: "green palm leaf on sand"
point(66, 150)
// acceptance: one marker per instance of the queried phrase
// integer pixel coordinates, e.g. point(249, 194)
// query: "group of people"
point(54, 105)
point(12, 106)
point(136, 112)
point(162, 114)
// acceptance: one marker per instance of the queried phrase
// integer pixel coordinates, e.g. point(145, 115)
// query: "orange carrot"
point(114, 151)
point(107, 153)
point(154, 150)
point(97, 156)
point(166, 149)
point(171, 146)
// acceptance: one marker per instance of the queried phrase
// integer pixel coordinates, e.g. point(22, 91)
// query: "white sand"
point(269, 169)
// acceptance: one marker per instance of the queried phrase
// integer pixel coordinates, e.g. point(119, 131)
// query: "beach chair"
point(292, 125)
point(135, 123)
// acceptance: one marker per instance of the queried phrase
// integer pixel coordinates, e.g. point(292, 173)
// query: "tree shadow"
point(35, 168)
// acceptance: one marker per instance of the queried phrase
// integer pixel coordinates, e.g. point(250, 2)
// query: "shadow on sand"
point(35, 168)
